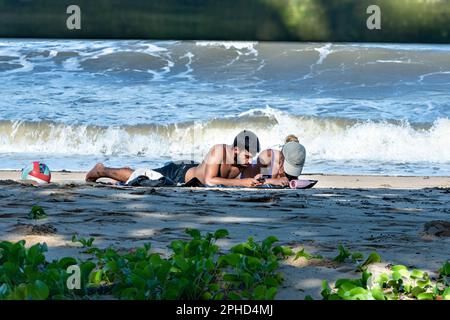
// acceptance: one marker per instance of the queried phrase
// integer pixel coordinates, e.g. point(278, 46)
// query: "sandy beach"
point(405, 219)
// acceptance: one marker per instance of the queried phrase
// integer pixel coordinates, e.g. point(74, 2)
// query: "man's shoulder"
point(220, 147)
point(216, 151)
point(268, 152)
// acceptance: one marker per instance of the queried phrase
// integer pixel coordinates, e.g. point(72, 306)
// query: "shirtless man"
point(222, 164)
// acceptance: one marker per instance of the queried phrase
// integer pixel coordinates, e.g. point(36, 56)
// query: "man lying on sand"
point(279, 167)
point(222, 164)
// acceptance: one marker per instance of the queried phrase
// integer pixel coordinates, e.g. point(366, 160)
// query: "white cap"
point(294, 158)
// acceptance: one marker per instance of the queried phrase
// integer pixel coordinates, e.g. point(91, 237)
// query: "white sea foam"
point(249, 46)
point(324, 139)
point(324, 52)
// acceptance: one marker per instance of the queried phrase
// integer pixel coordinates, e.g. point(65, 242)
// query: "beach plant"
point(195, 269)
point(356, 257)
point(189, 273)
point(444, 271)
point(305, 254)
point(344, 253)
point(25, 274)
point(251, 269)
point(37, 213)
point(372, 258)
point(85, 243)
point(399, 283)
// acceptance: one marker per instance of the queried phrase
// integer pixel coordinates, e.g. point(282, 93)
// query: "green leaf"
point(219, 296)
point(214, 287)
point(357, 256)
point(207, 296)
point(221, 233)
point(358, 293)
point(343, 254)
point(271, 281)
point(445, 270)
point(260, 292)
point(97, 276)
point(128, 294)
point(253, 263)
point(65, 262)
point(231, 277)
point(85, 269)
point(35, 256)
point(308, 297)
point(271, 293)
point(446, 294)
point(346, 284)
point(425, 296)
point(283, 251)
point(416, 291)
point(194, 233)
point(407, 288)
point(231, 259)
point(396, 275)
point(267, 243)
point(303, 254)
point(423, 283)
point(417, 274)
point(243, 248)
point(378, 294)
point(372, 258)
point(36, 213)
point(364, 278)
point(402, 270)
point(181, 263)
point(399, 267)
point(234, 296)
point(382, 279)
point(177, 246)
point(326, 290)
point(10, 269)
point(37, 291)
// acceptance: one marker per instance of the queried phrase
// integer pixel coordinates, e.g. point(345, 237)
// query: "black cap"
point(247, 140)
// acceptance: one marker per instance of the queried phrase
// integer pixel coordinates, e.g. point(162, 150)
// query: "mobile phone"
point(263, 178)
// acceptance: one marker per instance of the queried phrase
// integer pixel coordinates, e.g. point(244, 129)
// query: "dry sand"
point(405, 219)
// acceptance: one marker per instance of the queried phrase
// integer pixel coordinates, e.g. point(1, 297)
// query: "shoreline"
point(325, 181)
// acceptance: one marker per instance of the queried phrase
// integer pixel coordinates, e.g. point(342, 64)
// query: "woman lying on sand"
point(221, 166)
point(278, 167)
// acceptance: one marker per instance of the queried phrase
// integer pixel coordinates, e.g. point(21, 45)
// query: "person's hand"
point(250, 182)
point(284, 182)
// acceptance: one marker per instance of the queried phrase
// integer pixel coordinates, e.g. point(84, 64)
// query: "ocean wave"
point(239, 46)
point(332, 139)
point(252, 61)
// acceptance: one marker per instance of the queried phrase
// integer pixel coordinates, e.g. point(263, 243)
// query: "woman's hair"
point(291, 138)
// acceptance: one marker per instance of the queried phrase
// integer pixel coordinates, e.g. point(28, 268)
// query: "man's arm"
point(283, 181)
point(212, 163)
point(212, 179)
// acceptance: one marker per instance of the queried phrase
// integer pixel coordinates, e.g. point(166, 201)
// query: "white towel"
point(151, 174)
